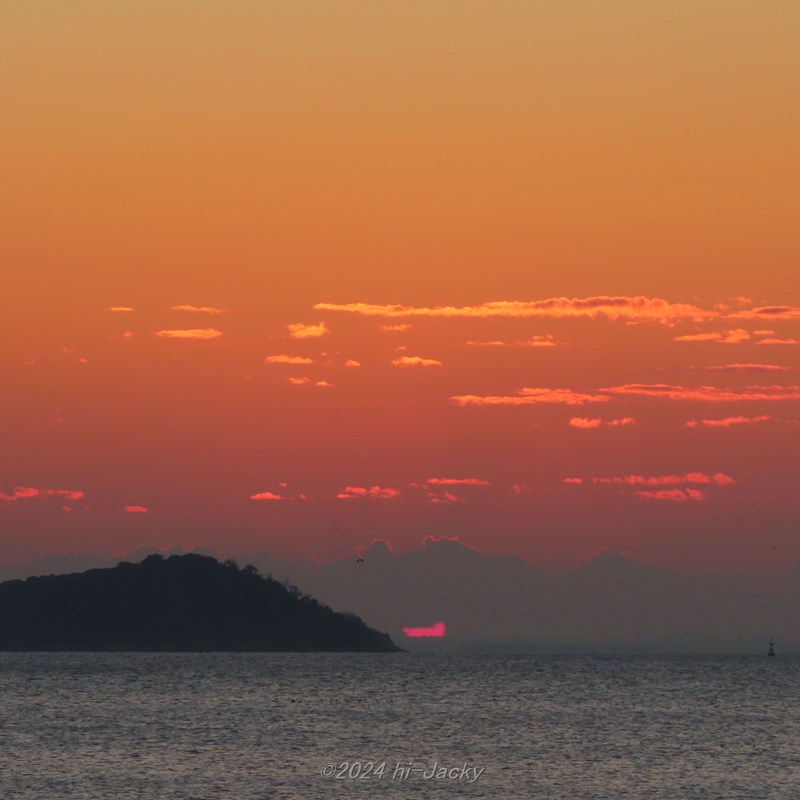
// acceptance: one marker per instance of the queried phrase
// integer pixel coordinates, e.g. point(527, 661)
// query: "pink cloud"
point(394, 328)
point(531, 396)
point(778, 341)
point(457, 482)
point(200, 309)
point(377, 492)
point(640, 309)
point(438, 498)
point(717, 479)
point(585, 422)
point(707, 394)
point(743, 368)
point(121, 309)
point(727, 422)
point(274, 497)
point(434, 492)
point(28, 492)
point(540, 341)
point(768, 312)
point(437, 630)
point(285, 359)
point(304, 381)
point(698, 337)
point(194, 333)
point(415, 361)
point(534, 341)
point(20, 493)
point(351, 362)
point(674, 495)
point(723, 337)
point(597, 422)
point(574, 481)
point(299, 330)
point(136, 509)
point(69, 494)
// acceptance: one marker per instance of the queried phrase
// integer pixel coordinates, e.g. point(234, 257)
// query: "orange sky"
point(282, 162)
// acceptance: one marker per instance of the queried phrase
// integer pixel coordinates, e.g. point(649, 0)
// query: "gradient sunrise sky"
point(295, 275)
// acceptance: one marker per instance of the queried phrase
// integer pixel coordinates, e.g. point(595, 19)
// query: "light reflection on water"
point(246, 726)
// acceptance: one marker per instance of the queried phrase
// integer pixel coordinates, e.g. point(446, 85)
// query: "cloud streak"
point(728, 422)
point(743, 368)
point(394, 328)
point(707, 394)
point(199, 309)
point(530, 396)
point(682, 488)
point(376, 492)
point(673, 495)
point(699, 478)
point(439, 498)
point(266, 496)
point(637, 309)
point(415, 361)
point(457, 482)
point(300, 330)
point(30, 492)
point(768, 313)
point(193, 333)
point(534, 341)
point(736, 336)
point(588, 423)
point(282, 358)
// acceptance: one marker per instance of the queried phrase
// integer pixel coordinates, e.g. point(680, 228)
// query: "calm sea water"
point(246, 726)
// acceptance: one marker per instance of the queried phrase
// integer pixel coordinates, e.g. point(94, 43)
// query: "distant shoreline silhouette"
point(186, 603)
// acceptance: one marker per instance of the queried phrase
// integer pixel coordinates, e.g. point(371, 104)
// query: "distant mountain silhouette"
point(181, 603)
point(609, 603)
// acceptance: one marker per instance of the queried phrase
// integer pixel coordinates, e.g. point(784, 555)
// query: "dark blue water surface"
point(245, 726)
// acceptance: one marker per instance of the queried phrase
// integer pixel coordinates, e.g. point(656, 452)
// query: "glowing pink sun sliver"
point(437, 630)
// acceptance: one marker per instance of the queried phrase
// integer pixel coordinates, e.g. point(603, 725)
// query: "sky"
point(296, 276)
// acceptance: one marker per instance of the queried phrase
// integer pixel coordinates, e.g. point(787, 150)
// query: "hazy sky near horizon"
point(296, 275)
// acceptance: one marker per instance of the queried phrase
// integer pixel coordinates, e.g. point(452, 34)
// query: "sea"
point(250, 726)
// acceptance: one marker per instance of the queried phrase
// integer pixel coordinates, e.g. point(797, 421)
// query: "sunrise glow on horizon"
point(293, 277)
point(435, 631)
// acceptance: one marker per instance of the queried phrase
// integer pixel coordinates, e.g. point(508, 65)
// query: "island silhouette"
point(181, 603)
